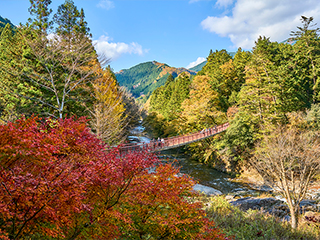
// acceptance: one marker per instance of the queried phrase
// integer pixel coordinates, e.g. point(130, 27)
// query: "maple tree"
point(50, 171)
point(42, 174)
point(58, 180)
point(160, 206)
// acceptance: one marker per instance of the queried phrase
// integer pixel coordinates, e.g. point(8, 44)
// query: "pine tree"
point(307, 52)
point(41, 12)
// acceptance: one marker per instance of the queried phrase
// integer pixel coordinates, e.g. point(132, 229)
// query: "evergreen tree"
point(16, 93)
point(40, 11)
point(180, 91)
point(307, 55)
point(213, 70)
point(169, 79)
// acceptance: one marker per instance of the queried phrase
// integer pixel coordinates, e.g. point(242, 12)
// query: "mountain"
point(4, 21)
point(198, 67)
point(142, 79)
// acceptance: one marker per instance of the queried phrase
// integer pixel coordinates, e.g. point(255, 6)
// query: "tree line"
point(61, 109)
point(270, 97)
point(49, 68)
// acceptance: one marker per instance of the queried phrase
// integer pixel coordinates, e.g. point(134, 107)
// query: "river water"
point(202, 173)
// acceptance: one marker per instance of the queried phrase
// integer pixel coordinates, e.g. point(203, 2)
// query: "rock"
point(207, 190)
point(229, 197)
point(255, 203)
point(282, 207)
point(308, 205)
point(306, 202)
point(286, 218)
point(277, 213)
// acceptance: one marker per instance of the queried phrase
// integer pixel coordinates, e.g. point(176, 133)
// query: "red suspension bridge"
point(173, 142)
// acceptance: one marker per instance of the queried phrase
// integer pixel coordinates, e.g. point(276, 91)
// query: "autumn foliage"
point(58, 180)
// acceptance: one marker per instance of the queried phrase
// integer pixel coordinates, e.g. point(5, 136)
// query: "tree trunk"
point(294, 211)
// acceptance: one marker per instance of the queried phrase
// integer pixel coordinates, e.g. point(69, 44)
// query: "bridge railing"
point(174, 141)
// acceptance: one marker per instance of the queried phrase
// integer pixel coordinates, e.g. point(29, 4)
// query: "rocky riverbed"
point(243, 193)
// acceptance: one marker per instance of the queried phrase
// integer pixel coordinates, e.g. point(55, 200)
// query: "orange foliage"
point(57, 180)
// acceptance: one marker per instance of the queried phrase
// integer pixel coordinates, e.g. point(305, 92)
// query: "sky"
point(180, 33)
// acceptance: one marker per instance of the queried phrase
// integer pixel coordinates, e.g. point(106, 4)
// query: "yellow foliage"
point(200, 107)
point(108, 119)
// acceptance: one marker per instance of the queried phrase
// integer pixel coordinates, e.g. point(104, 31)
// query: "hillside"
point(144, 78)
point(198, 67)
point(4, 21)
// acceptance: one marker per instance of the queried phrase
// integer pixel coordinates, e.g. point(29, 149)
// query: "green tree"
point(40, 11)
point(169, 80)
point(218, 81)
point(13, 57)
point(307, 52)
point(180, 91)
point(70, 22)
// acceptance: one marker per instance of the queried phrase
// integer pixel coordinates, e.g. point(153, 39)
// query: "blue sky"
point(178, 32)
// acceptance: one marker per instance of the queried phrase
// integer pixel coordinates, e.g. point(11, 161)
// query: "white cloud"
point(197, 62)
point(224, 3)
point(114, 50)
point(106, 4)
point(253, 18)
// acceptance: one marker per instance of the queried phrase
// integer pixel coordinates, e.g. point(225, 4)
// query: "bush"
point(254, 224)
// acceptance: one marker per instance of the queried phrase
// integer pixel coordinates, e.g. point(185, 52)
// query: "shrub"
point(254, 224)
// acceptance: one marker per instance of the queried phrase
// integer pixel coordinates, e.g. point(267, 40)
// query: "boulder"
point(209, 191)
point(255, 203)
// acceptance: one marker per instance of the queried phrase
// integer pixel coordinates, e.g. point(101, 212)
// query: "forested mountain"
point(142, 79)
point(3, 23)
point(198, 67)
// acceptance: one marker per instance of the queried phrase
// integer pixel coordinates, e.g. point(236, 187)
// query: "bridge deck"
point(174, 142)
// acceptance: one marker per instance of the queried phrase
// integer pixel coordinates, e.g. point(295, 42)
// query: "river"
point(202, 173)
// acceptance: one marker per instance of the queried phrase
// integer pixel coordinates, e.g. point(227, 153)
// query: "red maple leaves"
point(58, 180)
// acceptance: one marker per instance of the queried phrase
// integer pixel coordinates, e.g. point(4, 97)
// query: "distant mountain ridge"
point(198, 67)
point(142, 79)
point(4, 21)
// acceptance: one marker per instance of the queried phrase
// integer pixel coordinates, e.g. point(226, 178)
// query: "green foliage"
point(47, 76)
point(70, 21)
point(240, 137)
point(254, 224)
point(4, 22)
point(313, 117)
point(41, 12)
point(14, 54)
point(165, 105)
point(199, 67)
point(254, 91)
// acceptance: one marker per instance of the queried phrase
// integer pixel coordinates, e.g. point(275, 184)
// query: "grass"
point(255, 224)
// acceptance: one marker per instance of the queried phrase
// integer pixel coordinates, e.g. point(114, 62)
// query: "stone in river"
point(206, 190)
